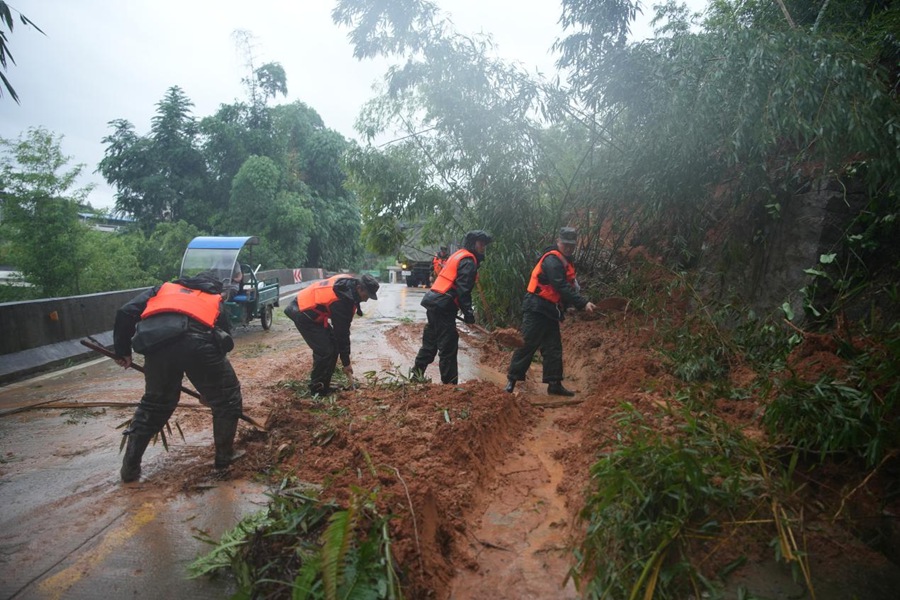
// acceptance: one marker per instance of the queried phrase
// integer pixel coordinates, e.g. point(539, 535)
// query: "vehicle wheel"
point(411, 281)
point(265, 316)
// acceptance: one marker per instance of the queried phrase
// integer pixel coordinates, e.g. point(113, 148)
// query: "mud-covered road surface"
point(485, 486)
point(70, 529)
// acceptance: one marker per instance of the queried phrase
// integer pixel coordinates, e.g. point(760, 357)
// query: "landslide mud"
point(485, 486)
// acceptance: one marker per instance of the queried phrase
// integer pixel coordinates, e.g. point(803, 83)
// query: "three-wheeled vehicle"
point(249, 297)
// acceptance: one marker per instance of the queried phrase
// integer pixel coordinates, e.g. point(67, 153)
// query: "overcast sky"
point(109, 59)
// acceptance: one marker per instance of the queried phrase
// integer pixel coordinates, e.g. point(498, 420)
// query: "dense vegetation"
point(716, 124)
point(249, 169)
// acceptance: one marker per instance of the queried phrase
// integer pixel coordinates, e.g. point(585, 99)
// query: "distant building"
point(104, 222)
point(9, 276)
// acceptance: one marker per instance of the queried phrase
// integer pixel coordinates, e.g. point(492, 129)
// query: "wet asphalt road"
point(70, 529)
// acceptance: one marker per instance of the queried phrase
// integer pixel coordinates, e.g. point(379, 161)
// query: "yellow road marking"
point(60, 583)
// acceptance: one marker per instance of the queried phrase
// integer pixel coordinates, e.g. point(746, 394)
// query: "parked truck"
point(415, 258)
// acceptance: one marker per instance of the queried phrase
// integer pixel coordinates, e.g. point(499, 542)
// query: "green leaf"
point(788, 311)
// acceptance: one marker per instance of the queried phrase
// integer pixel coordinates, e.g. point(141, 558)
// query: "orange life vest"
point(319, 297)
point(174, 297)
point(438, 262)
point(548, 292)
point(446, 279)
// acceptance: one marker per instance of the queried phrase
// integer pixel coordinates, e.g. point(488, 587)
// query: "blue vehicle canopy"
point(217, 255)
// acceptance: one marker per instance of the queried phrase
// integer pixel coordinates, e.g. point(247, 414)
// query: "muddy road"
point(70, 529)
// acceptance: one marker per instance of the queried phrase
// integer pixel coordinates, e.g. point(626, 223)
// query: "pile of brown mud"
point(437, 449)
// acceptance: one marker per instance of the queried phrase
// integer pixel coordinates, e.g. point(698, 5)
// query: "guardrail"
point(39, 334)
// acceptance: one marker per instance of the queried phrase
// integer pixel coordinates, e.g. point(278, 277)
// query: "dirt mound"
point(424, 448)
point(466, 468)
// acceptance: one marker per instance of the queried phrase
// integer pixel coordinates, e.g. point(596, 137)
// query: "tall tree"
point(40, 212)
point(161, 177)
point(260, 206)
point(759, 97)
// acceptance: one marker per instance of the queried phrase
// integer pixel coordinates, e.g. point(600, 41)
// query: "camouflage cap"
point(371, 285)
point(568, 235)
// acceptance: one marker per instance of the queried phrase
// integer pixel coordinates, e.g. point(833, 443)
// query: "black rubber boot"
point(556, 388)
point(510, 386)
point(134, 452)
point(322, 390)
point(224, 430)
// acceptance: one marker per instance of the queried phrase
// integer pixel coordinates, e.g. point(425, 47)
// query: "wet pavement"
point(70, 529)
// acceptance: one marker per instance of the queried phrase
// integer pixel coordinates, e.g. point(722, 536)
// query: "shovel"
point(604, 306)
point(504, 337)
point(98, 348)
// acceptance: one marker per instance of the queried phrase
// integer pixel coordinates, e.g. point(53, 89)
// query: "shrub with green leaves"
point(302, 547)
point(855, 415)
point(649, 494)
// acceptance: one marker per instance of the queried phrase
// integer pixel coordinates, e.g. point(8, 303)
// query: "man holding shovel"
point(322, 313)
point(180, 328)
point(451, 293)
point(551, 289)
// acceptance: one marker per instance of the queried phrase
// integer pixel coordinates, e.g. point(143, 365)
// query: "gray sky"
point(108, 59)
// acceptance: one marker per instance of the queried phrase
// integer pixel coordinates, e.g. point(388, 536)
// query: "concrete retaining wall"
point(43, 333)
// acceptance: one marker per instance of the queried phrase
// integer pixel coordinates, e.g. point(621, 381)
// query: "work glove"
point(468, 318)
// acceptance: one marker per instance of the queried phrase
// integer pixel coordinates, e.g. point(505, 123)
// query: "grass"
point(304, 547)
point(653, 495)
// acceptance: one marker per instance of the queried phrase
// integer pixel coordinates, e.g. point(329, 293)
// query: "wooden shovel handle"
point(96, 347)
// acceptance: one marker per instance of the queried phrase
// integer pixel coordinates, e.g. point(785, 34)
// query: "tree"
point(475, 153)
point(161, 253)
point(6, 19)
point(40, 212)
point(161, 177)
point(761, 95)
point(260, 206)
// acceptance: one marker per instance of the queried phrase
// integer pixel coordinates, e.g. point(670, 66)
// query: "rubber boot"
point(510, 386)
point(134, 452)
point(556, 389)
point(224, 430)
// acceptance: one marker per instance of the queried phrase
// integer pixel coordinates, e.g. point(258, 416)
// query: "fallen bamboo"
point(57, 404)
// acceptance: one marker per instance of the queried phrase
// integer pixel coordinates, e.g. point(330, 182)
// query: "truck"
point(249, 298)
point(415, 258)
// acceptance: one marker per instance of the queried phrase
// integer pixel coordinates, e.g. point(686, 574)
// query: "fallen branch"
point(56, 404)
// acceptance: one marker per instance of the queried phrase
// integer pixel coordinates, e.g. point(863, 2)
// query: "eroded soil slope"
point(486, 486)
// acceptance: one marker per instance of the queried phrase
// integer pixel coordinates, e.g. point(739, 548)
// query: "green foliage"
point(40, 225)
point(162, 252)
point(247, 170)
point(6, 19)
point(158, 178)
point(853, 415)
point(742, 98)
point(650, 494)
point(305, 548)
point(111, 263)
point(859, 274)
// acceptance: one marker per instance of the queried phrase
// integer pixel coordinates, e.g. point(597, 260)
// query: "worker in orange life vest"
point(181, 329)
point(322, 313)
point(451, 293)
point(439, 260)
point(551, 289)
